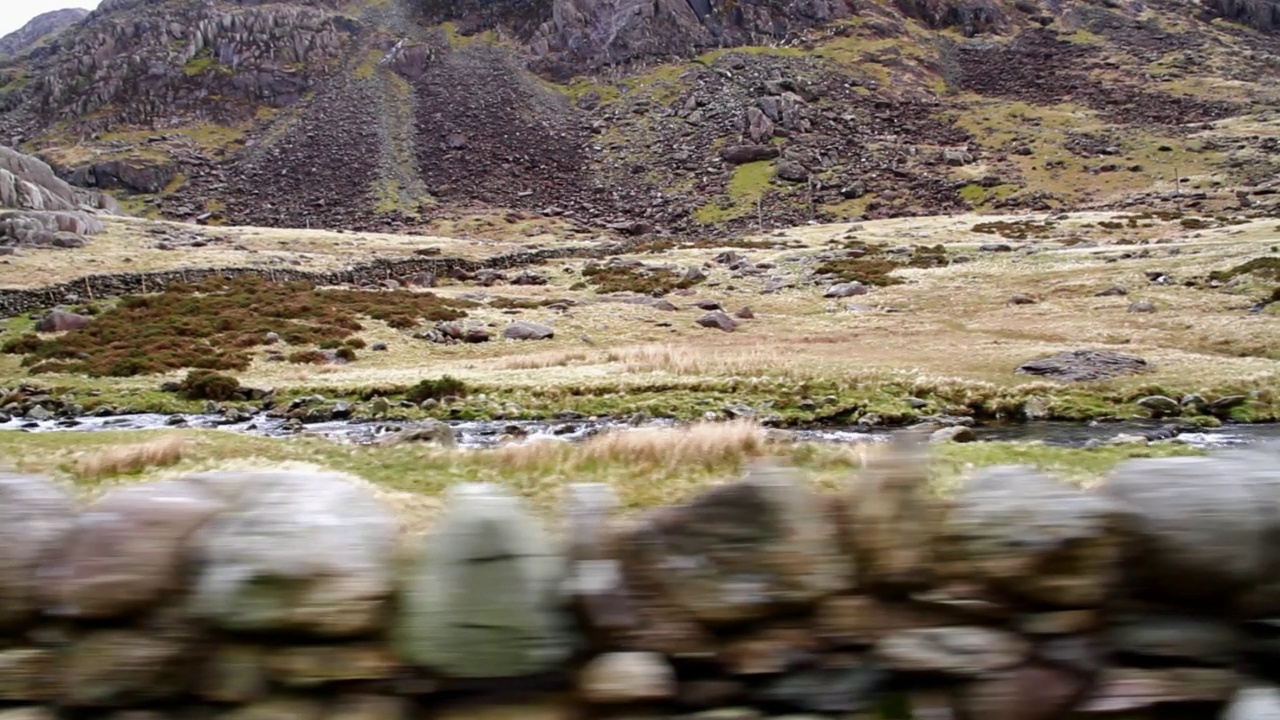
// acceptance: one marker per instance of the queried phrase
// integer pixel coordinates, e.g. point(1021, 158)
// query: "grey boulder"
point(482, 597)
point(297, 552)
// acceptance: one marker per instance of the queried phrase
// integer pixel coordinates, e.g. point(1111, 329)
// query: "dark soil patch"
point(216, 325)
point(871, 265)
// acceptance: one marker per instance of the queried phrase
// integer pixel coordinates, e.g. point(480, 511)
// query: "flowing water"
point(491, 433)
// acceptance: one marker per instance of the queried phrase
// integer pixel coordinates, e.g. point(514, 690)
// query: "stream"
point(477, 434)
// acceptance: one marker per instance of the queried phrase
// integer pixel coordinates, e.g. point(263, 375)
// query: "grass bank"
point(646, 467)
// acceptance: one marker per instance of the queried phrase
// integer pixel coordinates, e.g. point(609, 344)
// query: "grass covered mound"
point(216, 324)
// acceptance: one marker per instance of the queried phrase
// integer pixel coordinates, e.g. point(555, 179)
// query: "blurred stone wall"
point(281, 595)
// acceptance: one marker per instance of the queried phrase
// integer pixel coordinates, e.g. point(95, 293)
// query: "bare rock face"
point(34, 518)
point(39, 28)
point(27, 183)
point(191, 49)
point(571, 35)
point(1085, 365)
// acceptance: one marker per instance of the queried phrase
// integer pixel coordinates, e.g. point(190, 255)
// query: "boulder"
point(431, 431)
point(953, 434)
point(481, 599)
point(1084, 365)
point(527, 331)
point(1023, 535)
point(128, 549)
point(739, 154)
point(1199, 529)
point(741, 551)
point(847, 289)
point(34, 519)
point(719, 320)
point(297, 552)
point(791, 171)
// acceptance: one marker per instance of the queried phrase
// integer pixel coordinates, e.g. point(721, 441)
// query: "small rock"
point(744, 314)
point(995, 247)
point(848, 289)
point(1142, 306)
point(1160, 406)
point(1021, 299)
point(1113, 291)
point(271, 338)
point(378, 347)
point(957, 434)
point(718, 320)
point(527, 331)
point(623, 677)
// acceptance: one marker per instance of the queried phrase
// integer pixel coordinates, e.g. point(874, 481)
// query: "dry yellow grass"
point(162, 452)
point(127, 246)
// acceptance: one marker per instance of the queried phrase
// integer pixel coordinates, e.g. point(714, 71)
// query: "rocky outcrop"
point(38, 209)
point(40, 29)
point(1261, 14)
point(287, 594)
point(139, 64)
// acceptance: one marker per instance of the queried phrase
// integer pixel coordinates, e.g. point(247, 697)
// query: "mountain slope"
point(38, 29)
point(692, 116)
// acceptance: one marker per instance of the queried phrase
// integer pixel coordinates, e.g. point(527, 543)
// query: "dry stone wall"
point(15, 301)
point(294, 595)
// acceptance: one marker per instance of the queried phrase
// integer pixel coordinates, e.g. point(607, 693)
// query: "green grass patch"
point(746, 187)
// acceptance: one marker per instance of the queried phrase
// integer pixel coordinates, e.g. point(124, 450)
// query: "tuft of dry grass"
point(704, 444)
point(164, 451)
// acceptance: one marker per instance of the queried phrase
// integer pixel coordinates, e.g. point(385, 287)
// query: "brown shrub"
point(216, 324)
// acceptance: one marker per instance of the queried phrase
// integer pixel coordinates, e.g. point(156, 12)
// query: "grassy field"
point(949, 335)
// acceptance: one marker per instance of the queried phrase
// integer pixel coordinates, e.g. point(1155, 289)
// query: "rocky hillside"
point(675, 116)
point(39, 29)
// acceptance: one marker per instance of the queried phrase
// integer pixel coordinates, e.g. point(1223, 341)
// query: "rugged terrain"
point(387, 115)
